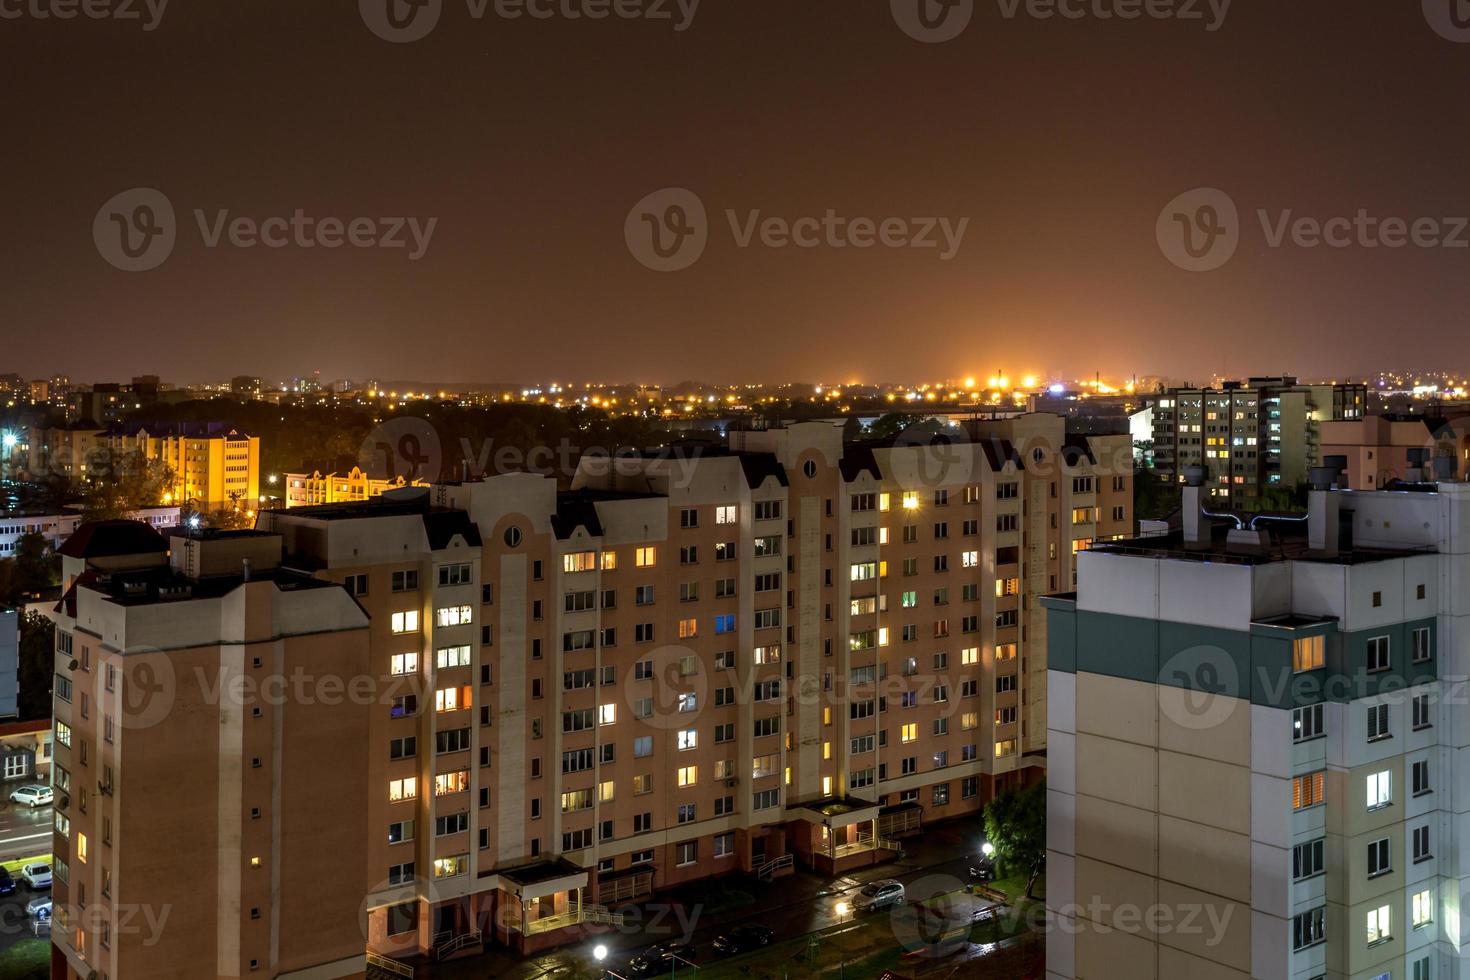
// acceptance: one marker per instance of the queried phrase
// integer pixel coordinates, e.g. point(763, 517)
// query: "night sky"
point(1060, 141)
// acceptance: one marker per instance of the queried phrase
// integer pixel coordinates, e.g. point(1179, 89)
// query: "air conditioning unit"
point(72, 666)
point(733, 781)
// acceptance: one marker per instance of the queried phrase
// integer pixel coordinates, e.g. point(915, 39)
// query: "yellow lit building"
point(215, 471)
point(305, 490)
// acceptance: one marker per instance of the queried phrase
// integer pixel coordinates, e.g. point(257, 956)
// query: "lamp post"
point(599, 953)
point(842, 909)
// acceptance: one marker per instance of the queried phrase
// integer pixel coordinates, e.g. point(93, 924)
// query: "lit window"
point(645, 557)
point(81, 846)
point(579, 561)
point(1380, 789)
point(1308, 653)
point(404, 663)
point(406, 622)
point(688, 775)
point(607, 714)
point(910, 500)
point(1380, 925)
point(1423, 908)
point(403, 789)
point(910, 732)
point(452, 698)
point(454, 616)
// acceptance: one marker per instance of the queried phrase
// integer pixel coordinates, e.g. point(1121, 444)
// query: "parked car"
point(7, 883)
point(655, 960)
point(32, 796)
point(982, 869)
point(39, 908)
point(879, 895)
point(37, 876)
point(743, 939)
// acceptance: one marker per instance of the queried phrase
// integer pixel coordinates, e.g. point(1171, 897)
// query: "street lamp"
point(988, 849)
point(842, 909)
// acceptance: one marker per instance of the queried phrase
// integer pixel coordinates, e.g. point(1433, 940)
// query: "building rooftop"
point(1285, 542)
point(111, 539)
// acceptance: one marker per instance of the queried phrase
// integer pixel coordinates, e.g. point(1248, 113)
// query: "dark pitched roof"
point(1075, 447)
point(1000, 451)
point(857, 458)
point(442, 524)
point(574, 510)
point(110, 539)
point(758, 467)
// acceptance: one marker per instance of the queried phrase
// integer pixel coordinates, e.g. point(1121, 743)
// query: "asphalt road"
point(24, 832)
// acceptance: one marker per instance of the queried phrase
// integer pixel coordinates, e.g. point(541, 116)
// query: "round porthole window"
point(513, 537)
point(809, 468)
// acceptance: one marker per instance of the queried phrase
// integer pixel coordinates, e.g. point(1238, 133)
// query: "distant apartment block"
point(1251, 435)
point(688, 664)
point(1381, 449)
point(215, 468)
point(56, 528)
point(1256, 756)
point(311, 489)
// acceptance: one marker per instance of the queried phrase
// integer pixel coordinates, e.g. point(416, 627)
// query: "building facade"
point(1256, 750)
point(687, 664)
point(1380, 449)
point(311, 489)
point(1252, 435)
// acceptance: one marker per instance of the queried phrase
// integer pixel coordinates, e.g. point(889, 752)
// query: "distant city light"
point(1057, 389)
point(9, 440)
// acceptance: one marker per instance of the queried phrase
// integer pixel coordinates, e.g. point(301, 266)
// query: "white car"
point(39, 908)
point(37, 876)
point(879, 895)
point(32, 796)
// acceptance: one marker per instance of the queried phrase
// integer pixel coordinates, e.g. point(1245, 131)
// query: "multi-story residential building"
point(1255, 748)
point(689, 663)
point(207, 820)
point(310, 489)
point(214, 467)
point(1251, 435)
point(1380, 449)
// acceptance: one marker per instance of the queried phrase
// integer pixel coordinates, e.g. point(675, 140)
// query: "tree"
point(37, 566)
point(126, 482)
point(37, 665)
point(1015, 823)
point(1153, 497)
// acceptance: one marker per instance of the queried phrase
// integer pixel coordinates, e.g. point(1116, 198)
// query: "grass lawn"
point(29, 959)
point(1014, 887)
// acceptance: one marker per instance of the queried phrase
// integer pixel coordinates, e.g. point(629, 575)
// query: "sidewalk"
point(795, 906)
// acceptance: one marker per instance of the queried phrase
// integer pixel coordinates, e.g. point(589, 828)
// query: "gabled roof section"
point(441, 526)
point(111, 539)
point(1077, 447)
point(758, 467)
point(857, 459)
point(574, 510)
point(999, 452)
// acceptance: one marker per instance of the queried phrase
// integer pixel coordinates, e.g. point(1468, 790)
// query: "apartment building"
point(203, 813)
point(214, 468)
point(1380, 449)
point(56, 528)
point(310, 489)
point(690, 663)
point(1255, 750)
point(1251, 435)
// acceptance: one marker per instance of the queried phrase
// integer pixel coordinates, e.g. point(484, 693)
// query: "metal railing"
point(766, 871)
point(389, 965)
point(454, 944)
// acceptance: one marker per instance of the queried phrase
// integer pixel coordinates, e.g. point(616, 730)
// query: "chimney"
point(245, 568)
point(1196, 525)
point(1323, 506)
